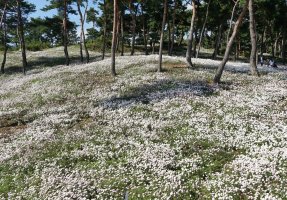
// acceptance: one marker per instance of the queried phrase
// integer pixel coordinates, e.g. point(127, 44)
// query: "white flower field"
point(75, 132)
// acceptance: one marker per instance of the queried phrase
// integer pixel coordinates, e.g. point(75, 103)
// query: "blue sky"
point(42, 3)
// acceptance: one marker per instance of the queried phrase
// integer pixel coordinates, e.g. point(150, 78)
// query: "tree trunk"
point(190, 37)
point(133, 13)
point(81, 48)
point(217, 43)
point(3, 25)
point(122, 32)
point(118, 30)
point(114, 40)
point(83, 38)
point(144, 29)
point(169, 35)
point(4, 13)
point(161, 36)
point(105, 30)
point(230, 43)
point(262, 42)
point(231, 19)
point(203, 29)
point(21, 36)
point(173, 28)
point(82, 29)
point(65, 33)
point(195, 40)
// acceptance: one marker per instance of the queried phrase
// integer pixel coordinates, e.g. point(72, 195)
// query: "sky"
point(42, 3)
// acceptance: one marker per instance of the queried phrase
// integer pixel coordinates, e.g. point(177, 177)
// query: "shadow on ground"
point(158, 91)
point(43, 62)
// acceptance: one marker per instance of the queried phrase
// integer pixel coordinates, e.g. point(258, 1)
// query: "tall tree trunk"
point(65, 33)
point(3, 25)
point(144, 28)
point(114, 40)
point(230, 43)
point(173, 28)
point(262, 42)
point(169, 35)
point(217, 43)
point(203, 29)
point(162, 35)
point(105, 30)
point(190, 37)
point(133, 10)
point(21, 36)
point(82, 29)
point(231, 19)
point(118, 30)
point(195, 40)
point(122, 32)
point(81, 48)
point(83, 38)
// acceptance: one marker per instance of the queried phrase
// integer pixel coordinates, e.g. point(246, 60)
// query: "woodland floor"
point(78, 133)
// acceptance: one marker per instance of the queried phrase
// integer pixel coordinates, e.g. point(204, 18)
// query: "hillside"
point(78, 133)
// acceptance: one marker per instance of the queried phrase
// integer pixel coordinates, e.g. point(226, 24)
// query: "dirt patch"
point(7, 131)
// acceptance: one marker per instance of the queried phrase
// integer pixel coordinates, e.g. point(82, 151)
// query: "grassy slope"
point(76, 132)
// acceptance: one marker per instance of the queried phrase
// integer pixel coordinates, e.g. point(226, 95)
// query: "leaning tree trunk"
point(21, 36)
point(133, 13)
point(203, 29)
point(231, 19)
point(217, 43)
point(105, 30)
point(190, 37)
point(3, 25)
point(252, 28)
point(230, 43)
point(65, 33)
point(114, 40)
point(161, 36)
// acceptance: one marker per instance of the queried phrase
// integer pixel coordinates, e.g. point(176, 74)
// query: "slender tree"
point(122, 31)
point(82, 34)
point(162, 35)
point(190, 37)
point(253, 36)
point(173, 27)
point(231, 19)
point(133, 9)
point(230, 43)
point(20, 30)
point(203, 29)
point(65, 32)
point(114, 40)
point(105, 29)
point(3, 26)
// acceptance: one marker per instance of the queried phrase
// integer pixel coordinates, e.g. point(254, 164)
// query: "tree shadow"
point(42, 62)
point(158, 91)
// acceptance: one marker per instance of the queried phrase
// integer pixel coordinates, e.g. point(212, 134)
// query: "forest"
point(143, 99)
